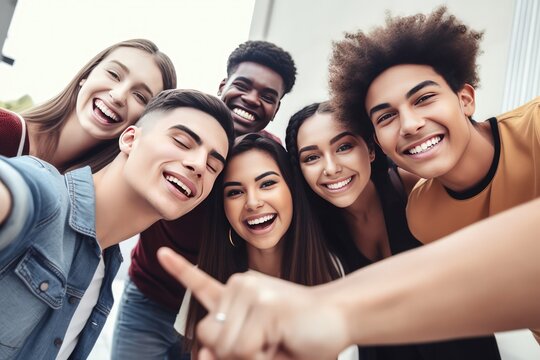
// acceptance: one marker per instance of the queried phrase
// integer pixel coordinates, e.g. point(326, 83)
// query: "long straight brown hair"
point(306, 259)
point(50, 117)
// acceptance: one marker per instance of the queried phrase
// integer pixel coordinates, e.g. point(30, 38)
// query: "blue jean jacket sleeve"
point(21, 204)
point(34, 198)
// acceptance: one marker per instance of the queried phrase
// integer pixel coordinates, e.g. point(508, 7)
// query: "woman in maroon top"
point(80, 125)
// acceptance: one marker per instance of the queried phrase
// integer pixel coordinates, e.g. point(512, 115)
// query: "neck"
point(364, 203)
point(32, 138)
point(267, 261)
point(120, 212)
point(72, 143)
point(475, 161)
point(366, 223)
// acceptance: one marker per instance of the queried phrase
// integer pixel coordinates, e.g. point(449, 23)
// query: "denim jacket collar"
point(81, 193)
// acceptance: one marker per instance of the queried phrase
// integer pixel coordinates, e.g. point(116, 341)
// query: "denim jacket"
point(48, 256)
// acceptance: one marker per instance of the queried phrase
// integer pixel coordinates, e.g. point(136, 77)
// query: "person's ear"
point(466, 99)
point(221, 86)
point(371, 154)
point(81, 83)
point(127, 139)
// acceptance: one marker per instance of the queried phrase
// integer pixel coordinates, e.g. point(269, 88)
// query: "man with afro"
point(412, 85)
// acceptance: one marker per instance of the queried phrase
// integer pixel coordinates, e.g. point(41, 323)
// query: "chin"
point(342, 204)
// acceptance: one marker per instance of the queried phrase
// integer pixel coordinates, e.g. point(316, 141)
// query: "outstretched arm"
point(15, 200)
point(476, 281)
point(5, 202)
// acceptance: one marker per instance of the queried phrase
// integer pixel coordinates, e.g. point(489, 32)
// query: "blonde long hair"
point(50, 117)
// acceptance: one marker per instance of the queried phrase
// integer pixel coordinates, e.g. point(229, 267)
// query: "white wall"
point(306, 29)
point(51, 40)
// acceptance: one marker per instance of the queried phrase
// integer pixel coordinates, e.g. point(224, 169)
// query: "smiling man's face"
point(420, 123)
point(173, 163)
point(253, 93)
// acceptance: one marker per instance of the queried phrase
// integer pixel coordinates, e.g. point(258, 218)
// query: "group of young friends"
point(288, 243)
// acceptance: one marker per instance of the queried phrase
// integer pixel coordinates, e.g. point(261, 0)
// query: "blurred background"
point(44, 43)
point(50, 40)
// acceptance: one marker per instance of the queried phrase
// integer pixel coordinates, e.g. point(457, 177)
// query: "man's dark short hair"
point(438, 40)
point(267, 54)
point(169, 100)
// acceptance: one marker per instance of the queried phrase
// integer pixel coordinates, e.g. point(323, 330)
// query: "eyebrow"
point(268, 173)
point(198, 140)
point(377, 108)
point(419, 87)
point(231, 183)
point(126, 69)
point(339, 136)
point(257, 178)
point(218, 156)
point(250, 82)
point(307, 148)
point(332, 141)
point(409, 93)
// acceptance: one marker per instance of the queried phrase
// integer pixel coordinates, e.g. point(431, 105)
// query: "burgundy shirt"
point(12, 131)
point(183, 236)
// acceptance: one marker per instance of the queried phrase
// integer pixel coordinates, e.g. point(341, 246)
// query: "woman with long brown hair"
point(261, 221)
point(359, 197)
point(79, 126)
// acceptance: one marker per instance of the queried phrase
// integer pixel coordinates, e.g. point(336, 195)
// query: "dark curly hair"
point(439, 40)
point(267, 54)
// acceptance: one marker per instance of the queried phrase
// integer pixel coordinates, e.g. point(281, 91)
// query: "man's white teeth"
point(339, 185)
point(261, 219)
point(105, 109)
point(172, 179)
point(244, 114)
point(424, 146)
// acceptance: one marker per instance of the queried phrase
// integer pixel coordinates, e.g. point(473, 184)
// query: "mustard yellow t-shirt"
point(513, 179)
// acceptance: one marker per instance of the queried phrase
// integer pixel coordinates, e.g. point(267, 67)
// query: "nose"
point(251, 97)
point(253, 201)
point(195, 161)
point(331, 167)
point(119, 94)
point(410, 123)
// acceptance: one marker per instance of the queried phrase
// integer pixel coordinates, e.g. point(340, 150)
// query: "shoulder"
point(523, 121)
point(37, 173)
point(33, 185)
point(32, 199)
point(529, 111)
point(13, 134)
point(423, 194)
point(409, 179)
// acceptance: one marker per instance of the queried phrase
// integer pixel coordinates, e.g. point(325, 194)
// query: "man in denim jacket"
point(59, 234)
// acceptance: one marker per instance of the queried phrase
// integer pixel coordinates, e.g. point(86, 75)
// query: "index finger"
point(204, 287)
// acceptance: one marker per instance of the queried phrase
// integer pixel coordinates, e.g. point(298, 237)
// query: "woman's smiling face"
point(258, 202)
point(335, 162)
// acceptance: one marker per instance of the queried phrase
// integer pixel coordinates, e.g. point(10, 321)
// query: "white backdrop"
point(50, 40)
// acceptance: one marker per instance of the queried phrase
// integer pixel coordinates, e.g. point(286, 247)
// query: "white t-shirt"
point(82, 313)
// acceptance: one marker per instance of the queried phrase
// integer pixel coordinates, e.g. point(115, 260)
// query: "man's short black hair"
point(169, 100)
point(267, 54)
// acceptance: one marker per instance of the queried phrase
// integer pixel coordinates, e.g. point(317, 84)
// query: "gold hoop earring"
point(230, 238)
